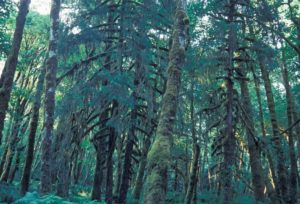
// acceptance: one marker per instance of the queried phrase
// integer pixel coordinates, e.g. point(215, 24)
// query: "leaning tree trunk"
point(268, 181)
point(32, 133)
point(7, 77)
point(45, 186)
point(14, 139)
point(281, 169)
point(253, 146)
point(159, 157)
point(17, 164)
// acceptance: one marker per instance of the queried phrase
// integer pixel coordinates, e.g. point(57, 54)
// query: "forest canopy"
point(150, 101)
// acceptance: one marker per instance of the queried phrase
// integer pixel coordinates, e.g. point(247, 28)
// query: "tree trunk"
point(126, 175)
point(17, 165)
point(63, 176)
point(141, 170)
point(45, 185)
point(7, 77)
point(6, 147)
point(32, 133)
point(109, 167)
point(196, 149)
point(96, 193)
point(290, 116)
point(119, 166)
point(230, 142)
point(281, 169)
point(159, 157)
point(255, 163)
point(268, 182)
point(193, 176)
point(14, 139)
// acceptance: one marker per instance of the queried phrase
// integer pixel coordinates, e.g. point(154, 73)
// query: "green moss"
point(159, 153)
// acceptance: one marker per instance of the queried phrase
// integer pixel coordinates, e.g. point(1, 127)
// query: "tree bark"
point(16, 165)
point(292, 153)
point(230, 141)
point(109, 166)
point(270, 189)
point(32, 133)
point(45, 185)
point(281, 168)
point(96, 193)
point(193, 176)
point(141, 170)
point(255, 163)
point(159, 157)
point(196, 149)
point(7, 77)
point(14, 139)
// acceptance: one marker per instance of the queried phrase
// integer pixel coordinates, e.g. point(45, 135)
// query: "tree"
point(45, 186)
point(160, 155)
point(7, 77)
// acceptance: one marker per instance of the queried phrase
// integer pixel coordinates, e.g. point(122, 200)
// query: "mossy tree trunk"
point(268, 181)
point(7, 77)
point(14, 138)
point(253, 146)
point(45, 185)
point(281, 168)
point(159, 157)
point(32, 133)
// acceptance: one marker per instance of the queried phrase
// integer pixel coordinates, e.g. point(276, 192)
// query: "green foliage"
point(5, 11)
point(8, 193)
point(33, 198)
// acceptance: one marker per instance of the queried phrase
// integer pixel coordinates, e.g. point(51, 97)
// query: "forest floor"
point(9, 193)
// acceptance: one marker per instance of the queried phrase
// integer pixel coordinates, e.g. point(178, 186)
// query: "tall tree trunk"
point(270, 189)
point(126, 175)
point(230, 142)
point(45, 185)
point(159, 157)
point(32, 133)
point(196, 149)
point(112, 131)
point(109, 166)
point(7, 77)
point(96, 193)
point(193, 176)
point(255, 163)
point(119, 165)
point(14, 139)
point(63, 176)
point(141, 170)
point(16, 165)
point(292, 153)
point(281, 169)
point(5, 151)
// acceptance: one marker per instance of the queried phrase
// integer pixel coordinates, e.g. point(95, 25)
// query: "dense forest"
point(150, 101)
